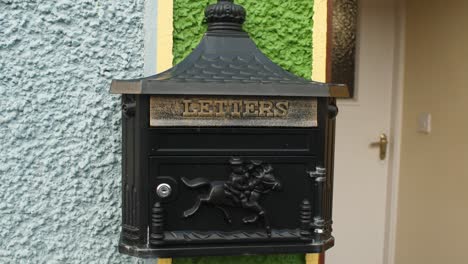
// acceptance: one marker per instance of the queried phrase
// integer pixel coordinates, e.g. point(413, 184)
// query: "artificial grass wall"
point(272, 259)
point(282, 29)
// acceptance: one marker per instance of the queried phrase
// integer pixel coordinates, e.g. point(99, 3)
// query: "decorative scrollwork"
point(172, 237)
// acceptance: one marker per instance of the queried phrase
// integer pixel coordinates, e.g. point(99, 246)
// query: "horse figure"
point(246, 185)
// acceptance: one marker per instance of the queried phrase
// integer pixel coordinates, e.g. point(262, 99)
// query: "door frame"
point(158, 43)
point(396, 131)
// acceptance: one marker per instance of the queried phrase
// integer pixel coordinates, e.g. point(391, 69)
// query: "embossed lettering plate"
point(215, 111)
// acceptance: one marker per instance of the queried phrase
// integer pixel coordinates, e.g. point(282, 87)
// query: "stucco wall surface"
point(60, 128)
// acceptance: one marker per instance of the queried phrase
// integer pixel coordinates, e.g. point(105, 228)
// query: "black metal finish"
point(227, 62)
point(191, 191)
point(246, 185)
point(345, 15)
point(232, 193)
point(225, 15)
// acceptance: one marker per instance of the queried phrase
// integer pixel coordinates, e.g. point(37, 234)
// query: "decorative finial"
point(225, 15)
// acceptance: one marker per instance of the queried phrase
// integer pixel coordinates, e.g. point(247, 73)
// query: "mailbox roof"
point(227, 62)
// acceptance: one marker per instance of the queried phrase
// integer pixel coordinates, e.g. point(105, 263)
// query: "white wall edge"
point(150, 29)
point(396, 133)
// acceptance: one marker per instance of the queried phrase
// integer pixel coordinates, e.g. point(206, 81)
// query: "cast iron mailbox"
point(226, 153)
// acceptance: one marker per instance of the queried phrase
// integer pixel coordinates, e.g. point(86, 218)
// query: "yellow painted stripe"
point(165, 261)
point(164, 35)
point(312, 259)
point(319, 43)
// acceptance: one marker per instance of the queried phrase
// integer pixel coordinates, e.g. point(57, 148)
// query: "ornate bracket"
point(319, 175)
point(128, 106)
point(129, 109)
point(318, 224)
point(332, 111)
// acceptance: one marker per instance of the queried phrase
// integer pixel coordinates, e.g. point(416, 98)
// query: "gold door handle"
point(382, 144)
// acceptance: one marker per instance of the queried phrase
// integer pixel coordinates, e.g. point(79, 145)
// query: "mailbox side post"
point(134, 170)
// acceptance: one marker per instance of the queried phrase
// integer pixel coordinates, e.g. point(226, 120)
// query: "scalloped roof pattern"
point(234, 69)
point(221, 64)
point(227, 63)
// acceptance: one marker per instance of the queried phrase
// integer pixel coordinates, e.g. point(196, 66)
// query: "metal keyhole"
point(163, 190)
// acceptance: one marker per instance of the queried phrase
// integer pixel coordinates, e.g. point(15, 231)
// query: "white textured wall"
point(60, 128)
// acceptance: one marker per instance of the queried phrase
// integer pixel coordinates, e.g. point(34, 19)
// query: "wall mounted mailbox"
point(226, 153)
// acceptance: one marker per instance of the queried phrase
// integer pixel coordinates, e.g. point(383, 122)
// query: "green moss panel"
point(282, 29)
point(273, 259)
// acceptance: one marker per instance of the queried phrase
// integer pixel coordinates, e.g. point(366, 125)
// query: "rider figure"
point(238, 182)
point(247, 183)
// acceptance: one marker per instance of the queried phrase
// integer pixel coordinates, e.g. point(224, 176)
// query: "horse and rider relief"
point(247, 184)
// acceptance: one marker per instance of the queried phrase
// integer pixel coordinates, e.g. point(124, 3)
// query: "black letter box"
point(226, 153)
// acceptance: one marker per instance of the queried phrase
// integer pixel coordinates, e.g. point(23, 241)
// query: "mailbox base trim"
point(143, 251)
point(178, 237)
